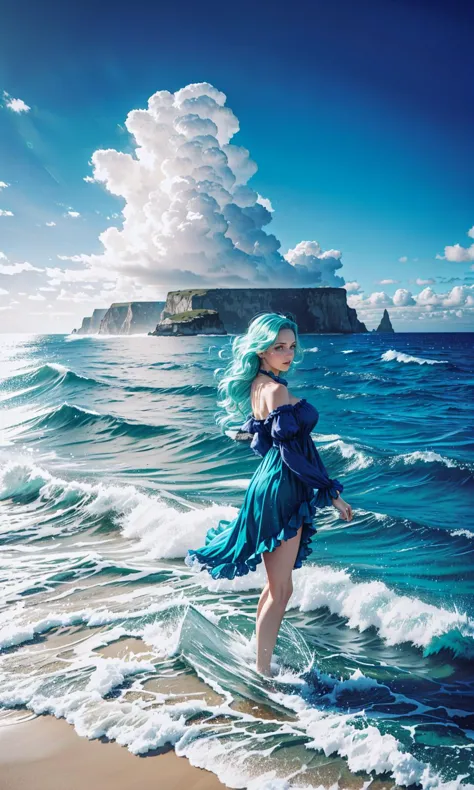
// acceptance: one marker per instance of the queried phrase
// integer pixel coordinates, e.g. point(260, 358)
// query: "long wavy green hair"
point(234, 386)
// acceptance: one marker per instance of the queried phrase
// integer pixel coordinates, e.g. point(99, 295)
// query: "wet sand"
point(46, 753)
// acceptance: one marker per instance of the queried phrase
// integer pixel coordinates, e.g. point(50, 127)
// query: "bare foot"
point(265, 671)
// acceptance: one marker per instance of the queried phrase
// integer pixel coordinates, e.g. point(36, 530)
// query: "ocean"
point(112, 466)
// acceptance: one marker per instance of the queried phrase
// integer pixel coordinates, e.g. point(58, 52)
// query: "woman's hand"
point(344, 508)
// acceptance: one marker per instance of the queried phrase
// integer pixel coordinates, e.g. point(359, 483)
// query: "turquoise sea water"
point(111, 467)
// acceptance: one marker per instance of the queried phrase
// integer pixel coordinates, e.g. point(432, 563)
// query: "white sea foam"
point(426, 456)
point(398, 356)
point(465, 532)
point(397, 618)
point(364, 746)
point(164, 532)
point(348, 351)
point(358, 459)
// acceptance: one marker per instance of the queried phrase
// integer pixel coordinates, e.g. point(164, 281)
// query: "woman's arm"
point(314, 474)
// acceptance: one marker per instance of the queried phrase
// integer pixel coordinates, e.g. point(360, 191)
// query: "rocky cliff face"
point(385, 324)
point(91, 324)
point(316, 309)
point(128, 318)
point(194, 322)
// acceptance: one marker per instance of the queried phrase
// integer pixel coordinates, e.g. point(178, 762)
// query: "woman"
point(275, 521)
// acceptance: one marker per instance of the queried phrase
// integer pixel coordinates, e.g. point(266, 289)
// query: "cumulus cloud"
point(74, 214)
point(426, 304)
point(4, 185)
point(17, 268)
point(89, 180)
point(51, 224)
point(5, 213)
point(17, 105)
point(312, 262)
point(265, 202)
point(403, 298)
point(3, 292)
point(352, 287)
point(388, 282)
point(190, 217)
point(456, 253)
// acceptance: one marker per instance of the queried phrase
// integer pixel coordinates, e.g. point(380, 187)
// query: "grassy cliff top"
point(189, 314)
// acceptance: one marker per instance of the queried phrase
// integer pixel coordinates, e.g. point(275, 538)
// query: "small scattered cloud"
point(50, 224)
point(388, 282)
point(429, 281)
point(18, 268)
point(5, 213)
point(3, 292)
point(74, 214)
point(4, 185)
point(37, 297)
point(16, 105)
point(78, 297)
point(89, 180)
point(403, 259)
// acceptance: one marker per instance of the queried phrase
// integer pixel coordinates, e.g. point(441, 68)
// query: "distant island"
point(229, 310)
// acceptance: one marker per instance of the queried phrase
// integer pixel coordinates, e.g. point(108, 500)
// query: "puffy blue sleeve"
point(261, 440)
point(284, 430)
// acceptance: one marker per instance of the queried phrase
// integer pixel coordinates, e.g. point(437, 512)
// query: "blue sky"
point(359, 117)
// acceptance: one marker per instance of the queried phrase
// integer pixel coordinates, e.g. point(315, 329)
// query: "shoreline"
point(45, 753)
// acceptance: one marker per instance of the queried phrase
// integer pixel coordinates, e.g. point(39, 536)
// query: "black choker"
point(274, 376)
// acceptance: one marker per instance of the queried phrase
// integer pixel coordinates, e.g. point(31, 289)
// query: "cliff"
point(193, 322)
point(91, 324)
point(316, 310)
point(385, 324)
point(129, 318)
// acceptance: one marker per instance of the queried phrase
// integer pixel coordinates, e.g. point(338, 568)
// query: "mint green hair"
point(234, 386)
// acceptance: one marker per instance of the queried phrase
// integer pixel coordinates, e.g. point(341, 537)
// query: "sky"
point(307, 144)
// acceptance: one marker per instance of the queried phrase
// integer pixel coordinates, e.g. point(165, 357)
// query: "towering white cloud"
point(190, 217)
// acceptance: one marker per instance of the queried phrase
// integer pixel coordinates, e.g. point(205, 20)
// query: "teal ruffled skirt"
point(275, 506)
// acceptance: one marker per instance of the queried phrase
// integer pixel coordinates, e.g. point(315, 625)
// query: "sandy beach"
point(45, 753)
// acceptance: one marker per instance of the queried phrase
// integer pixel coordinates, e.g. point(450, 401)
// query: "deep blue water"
point(111, 467)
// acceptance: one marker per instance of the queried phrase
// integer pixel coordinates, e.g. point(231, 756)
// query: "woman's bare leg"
point(279, 565)
point(262, 599)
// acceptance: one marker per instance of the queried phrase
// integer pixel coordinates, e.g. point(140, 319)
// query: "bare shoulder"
point(276, 395)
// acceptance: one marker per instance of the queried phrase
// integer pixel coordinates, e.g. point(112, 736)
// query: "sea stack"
point(385, 324)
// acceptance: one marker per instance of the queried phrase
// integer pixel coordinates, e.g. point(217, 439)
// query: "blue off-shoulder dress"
point(280, 497)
